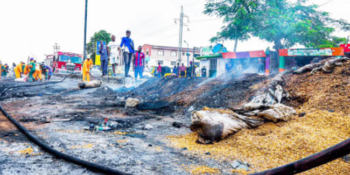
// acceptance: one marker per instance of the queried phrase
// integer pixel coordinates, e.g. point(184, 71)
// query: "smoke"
point(129, 84)
point(238, 70)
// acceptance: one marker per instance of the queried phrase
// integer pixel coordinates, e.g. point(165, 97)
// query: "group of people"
point(30, 72)
point(183, 71)
point(112, 52)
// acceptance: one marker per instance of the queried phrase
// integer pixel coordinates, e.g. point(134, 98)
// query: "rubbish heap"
point(327, 66)
point(216, 124)
point(321, 101)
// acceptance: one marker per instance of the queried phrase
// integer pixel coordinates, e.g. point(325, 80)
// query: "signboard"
point(97, 51)
point(205, 51)
point(239, 55)
point(310, 52)
point(346, 47)
point(219, 48)
point(338, 51)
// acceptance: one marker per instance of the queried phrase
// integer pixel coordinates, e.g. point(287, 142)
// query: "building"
point(166, 55)
point(218, 63)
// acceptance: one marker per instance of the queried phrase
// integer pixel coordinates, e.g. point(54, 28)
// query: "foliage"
point(102, 35)
point(279, 21)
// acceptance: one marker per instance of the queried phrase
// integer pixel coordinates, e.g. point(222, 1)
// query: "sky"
point(32, 27)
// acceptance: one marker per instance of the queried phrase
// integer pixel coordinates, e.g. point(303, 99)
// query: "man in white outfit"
point(114, 54)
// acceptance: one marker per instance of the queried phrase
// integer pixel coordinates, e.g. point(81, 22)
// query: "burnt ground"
point(57, 114)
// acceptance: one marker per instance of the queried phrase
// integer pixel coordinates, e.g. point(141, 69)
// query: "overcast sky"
point(32, 27)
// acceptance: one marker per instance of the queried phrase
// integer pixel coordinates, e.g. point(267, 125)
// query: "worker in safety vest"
point(37, 73)
point(26, 69)
point(19, 69)
point(4, 70)
point(86, 69)
point(31, 67)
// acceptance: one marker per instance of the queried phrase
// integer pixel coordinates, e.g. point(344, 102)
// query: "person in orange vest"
point(86, 69)
point(19, 69)
point(37, 73)
point(26, 69)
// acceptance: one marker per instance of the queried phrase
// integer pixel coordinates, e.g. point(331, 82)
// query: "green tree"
point(101, 35)
point(279, 21)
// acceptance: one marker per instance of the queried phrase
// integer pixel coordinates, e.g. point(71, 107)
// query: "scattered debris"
point(347, 158)
point(148, 127)
point(90, 84)
point(327, 66)
point(177, 124)
point(302, 114)
point(278, 112)
point(131, 102)
point(238, 165)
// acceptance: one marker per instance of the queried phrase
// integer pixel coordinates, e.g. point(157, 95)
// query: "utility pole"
point(187, 54)
point(182, 15)
point(235, 49)
point(86, 5)
point(56, 48)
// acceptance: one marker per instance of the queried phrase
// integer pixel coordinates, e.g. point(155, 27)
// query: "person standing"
point(104, 51)
point(178, 69)
point(261, 67)
point(48, 72)
point(139, 62)
point(204, 72)
point(192, 70)
point(32, 70)
point(129, 50)
point(5, 70)
point(175, 71)
point(19, 69)
point(159, 70)
point(86, 69)
point(183, 70)
point(114, 54)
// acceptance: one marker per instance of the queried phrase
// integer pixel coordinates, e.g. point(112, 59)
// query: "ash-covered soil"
point(188, 94)
point(57, 114)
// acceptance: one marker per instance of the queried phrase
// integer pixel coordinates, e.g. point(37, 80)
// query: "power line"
point(156, 17)
point(325, 3)
point(168, 36)
point(204, 20)
point(158, 31)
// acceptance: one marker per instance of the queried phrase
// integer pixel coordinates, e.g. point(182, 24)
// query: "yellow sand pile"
point(273, 145)
point(321, 91)
point(202, 170)
point(325, 98)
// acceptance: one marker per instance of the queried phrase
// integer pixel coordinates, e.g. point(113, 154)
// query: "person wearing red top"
point(159, 70)
point(139, 60)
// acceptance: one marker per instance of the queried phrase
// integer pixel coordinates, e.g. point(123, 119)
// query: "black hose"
point(47, 148)
point(315, 160)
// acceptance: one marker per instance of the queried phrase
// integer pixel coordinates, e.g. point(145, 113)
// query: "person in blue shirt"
point(129, 50)
point(104, 52)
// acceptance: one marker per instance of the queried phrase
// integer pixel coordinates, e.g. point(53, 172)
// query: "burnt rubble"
point(58, 114)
